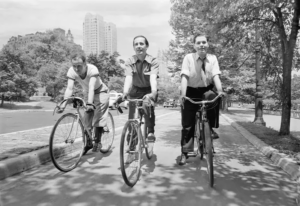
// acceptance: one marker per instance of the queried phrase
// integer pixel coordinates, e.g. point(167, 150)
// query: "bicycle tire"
point(64, 155)
point(148, 145)
point(209, 152)
point(107, 137)
point(130, 159)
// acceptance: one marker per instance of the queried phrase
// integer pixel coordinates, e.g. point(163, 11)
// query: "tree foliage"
point(42, 62)
point(232, 25)
point(108, 65)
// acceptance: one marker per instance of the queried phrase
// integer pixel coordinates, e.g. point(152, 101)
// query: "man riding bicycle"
point(95, 94)
point(141, 72)
point(199, 74)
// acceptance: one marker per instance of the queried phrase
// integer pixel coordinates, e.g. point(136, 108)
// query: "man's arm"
point(153, 84)
point(218, 84)
point(69, 89)
point(91, 90)
point(184, 82)
point(127, 85)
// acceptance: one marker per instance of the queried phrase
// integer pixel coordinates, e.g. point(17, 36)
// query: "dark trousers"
point(188, 114)
point(139, 93)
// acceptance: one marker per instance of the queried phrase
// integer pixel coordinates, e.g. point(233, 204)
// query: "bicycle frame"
point(79, 103)
point(137, 120)
point(201, 117)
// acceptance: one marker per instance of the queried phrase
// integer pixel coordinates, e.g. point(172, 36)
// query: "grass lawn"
point(287, 144)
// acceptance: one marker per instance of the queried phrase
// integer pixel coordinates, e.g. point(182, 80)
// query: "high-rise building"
point(110, 38)
point(98, 35)
point(93, 34)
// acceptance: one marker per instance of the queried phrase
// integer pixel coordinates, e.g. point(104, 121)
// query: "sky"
point(131, 17)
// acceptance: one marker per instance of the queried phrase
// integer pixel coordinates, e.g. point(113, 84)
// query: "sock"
point(98, 134)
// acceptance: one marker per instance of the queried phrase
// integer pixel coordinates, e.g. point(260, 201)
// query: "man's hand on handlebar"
point(62, 105)
point(90, 107)
point(223, 94)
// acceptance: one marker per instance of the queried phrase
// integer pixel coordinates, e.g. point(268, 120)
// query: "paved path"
point(243, 177)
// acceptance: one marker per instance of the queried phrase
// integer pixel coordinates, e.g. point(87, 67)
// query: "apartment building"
point(110, 38)
point(98, 35)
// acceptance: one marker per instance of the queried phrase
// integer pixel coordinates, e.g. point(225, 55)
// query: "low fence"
point(294, 113)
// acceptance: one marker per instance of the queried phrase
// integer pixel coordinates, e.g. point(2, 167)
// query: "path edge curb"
point(27, 161)
point(21, 163)
point(279, 159)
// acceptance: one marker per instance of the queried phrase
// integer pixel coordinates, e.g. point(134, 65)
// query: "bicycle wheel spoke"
point(130, 155)
point(149, 144)
point(108, 134)
point(209, 153)
point(66, 142)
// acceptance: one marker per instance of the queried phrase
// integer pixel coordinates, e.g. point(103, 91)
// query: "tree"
point(116, 83)
point(42, 62)
point(107, 64)
point(231, 24)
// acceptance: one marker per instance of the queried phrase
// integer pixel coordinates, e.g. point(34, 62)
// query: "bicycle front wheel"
point(149, 145)
point(130, 154)
point(66, 142)
point(108, 134)
point(209, 152)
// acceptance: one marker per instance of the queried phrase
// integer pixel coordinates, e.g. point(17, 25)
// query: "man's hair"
point(146, 41)
point(200, 34)
point(80, 55)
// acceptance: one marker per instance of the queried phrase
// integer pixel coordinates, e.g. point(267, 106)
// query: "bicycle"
point(203, 134)
point(69, 136)
point(133, 141)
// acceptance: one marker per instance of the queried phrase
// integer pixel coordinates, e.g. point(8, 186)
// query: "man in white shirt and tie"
point(199, 75)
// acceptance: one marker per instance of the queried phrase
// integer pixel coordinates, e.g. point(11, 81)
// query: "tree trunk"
point(288, 53)
point(286, 94)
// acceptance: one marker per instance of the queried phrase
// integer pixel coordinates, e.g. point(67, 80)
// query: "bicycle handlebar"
point(203, 102)
point(72, 99)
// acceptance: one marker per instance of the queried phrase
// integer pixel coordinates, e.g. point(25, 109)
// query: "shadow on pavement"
point(242, 175)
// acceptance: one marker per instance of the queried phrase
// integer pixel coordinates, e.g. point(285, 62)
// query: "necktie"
point(203, 64)
point(203, 75)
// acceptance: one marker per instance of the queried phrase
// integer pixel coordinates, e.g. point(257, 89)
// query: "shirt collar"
point(198, 57)
point(148, 58)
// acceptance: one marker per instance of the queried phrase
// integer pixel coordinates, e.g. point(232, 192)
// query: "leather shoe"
point(151, 137)
point(214, 135)
point(182, 160)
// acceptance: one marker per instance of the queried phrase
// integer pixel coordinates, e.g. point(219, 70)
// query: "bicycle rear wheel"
point(66, 142)
point(130, 154)
point(149, 145)
point(108, 136)
point(209, 152)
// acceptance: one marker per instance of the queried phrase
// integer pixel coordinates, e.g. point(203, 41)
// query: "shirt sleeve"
point(216, 68)
point(128, 68)
point(185, 69)
point(94, 72)
point(154, 66)
point(71, 74)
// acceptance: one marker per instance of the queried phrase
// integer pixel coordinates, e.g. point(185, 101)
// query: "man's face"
point(140, 46)
point(79, 66)
point(201, 45)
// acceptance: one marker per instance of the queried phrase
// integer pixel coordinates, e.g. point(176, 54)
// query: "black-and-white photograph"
point(149, 103)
